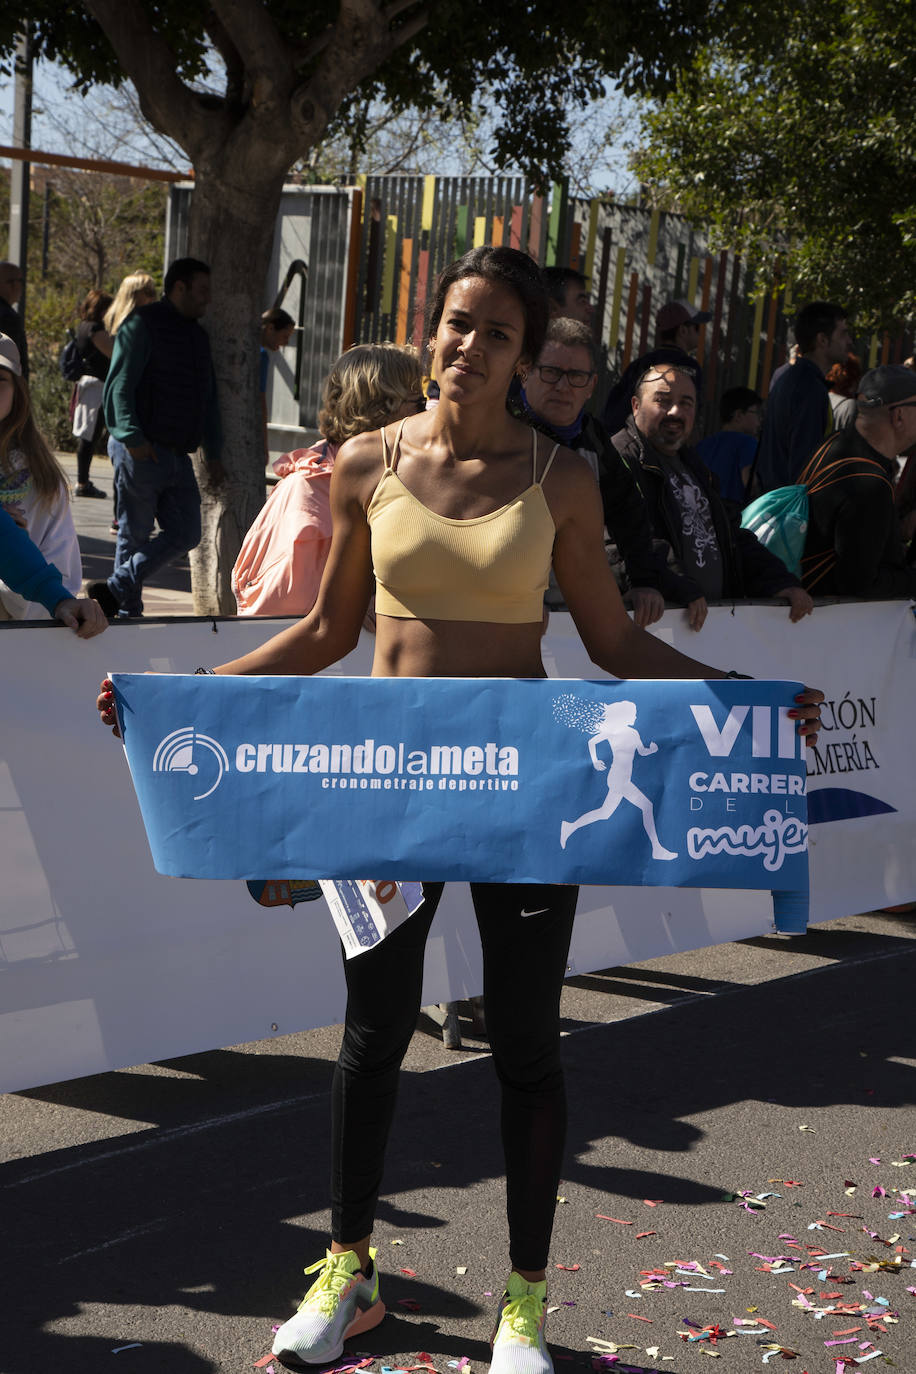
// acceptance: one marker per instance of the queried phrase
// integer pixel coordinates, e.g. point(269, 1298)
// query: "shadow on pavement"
point(212, 1221)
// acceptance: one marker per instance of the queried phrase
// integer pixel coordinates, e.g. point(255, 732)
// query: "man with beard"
point(711, 556)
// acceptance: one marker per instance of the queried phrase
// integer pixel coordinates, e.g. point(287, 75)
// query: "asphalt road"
point(158, 1218)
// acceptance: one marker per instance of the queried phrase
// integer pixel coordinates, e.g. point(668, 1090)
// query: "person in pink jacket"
point(284, 552)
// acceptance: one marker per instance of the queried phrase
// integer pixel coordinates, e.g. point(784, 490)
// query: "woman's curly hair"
point(365, 387)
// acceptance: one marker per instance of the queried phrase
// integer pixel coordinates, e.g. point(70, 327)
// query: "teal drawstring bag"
point(779, 518)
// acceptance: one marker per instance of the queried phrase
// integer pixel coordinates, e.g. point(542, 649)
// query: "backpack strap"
point(818, 480)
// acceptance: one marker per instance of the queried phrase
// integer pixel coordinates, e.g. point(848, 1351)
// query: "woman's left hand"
point(807, 711)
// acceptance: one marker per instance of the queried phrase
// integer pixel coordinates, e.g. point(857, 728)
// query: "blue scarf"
point(565, 434)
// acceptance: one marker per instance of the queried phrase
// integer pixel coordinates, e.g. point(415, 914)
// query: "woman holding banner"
point(454, 517)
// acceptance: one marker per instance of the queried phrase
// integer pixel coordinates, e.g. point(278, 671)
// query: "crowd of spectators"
point(672, 507)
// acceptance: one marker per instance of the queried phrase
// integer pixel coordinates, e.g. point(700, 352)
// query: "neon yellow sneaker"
point(519, 1343)
point(341, 1302)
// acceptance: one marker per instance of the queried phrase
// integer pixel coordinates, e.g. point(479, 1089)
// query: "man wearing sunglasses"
point(854, 545)
point(553, 399)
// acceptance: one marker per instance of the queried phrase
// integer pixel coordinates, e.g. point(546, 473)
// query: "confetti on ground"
point(134, 1345)
point(462, 1269)
point(411, 1273)
point(570, 1268)
point(600, 1217)
point(817, 1286)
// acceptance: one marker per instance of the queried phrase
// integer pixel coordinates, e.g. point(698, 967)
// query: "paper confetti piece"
point(640, 1235)
point(570, 1268)
point(600, 1217)
point(649, 1202)
point(134, 1345)
point(411, 1273)
point(808, 1128)
point(410, 1303)
point(462, 1269)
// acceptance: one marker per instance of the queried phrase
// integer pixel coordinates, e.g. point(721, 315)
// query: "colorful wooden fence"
point(634, 258)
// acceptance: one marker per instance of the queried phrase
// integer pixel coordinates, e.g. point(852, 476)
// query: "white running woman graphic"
point(616, 729)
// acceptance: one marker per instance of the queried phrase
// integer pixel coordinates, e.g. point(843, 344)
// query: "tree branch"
point(359, 43)
point(264, 51)
point(165, 100)
point(396, 7)
point(235, 67)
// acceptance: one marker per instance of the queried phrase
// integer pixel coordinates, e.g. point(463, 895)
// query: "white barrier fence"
point(104, 964)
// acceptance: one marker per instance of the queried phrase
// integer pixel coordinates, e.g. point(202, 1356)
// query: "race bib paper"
point(697, 784)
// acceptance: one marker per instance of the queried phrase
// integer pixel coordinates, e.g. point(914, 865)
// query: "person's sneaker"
point(519, 1344)
point(87, 489)
point(341, 1302)
point(102, 593)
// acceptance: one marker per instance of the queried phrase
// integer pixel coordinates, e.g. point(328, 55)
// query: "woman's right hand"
point(106, 707)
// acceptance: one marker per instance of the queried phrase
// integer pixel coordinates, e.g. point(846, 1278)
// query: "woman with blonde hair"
point(33, 488)
point(279, 567)
point(137, 289)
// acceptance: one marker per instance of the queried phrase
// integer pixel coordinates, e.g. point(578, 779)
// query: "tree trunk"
point(233, 214)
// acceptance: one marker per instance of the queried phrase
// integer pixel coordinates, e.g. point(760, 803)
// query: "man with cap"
point(853, 545)
point(677, 330)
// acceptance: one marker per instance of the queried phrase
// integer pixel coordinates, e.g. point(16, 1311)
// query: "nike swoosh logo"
point(539, 912)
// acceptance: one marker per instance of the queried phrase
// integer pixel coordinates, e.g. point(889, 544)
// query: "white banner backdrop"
point(104, 964)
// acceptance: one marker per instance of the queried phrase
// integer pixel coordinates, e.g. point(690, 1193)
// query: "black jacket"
point(175, 390)
point(853, 546)
point(625, 514)
point(748, 569)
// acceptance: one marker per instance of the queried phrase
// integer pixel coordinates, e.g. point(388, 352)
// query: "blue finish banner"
point(673, 784)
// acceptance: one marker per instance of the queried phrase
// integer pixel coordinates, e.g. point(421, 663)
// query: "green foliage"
point(536, 57)
point(101, 229)
point(50, 313)
point(797, 145)
point(104, 227)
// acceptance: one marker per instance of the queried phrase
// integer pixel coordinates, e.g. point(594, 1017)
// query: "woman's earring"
point(522, 374)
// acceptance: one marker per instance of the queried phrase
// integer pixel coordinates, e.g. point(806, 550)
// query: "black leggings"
point(525, 931)
point(85, 450)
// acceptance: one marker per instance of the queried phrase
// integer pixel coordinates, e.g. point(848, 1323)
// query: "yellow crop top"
point(430, 567)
